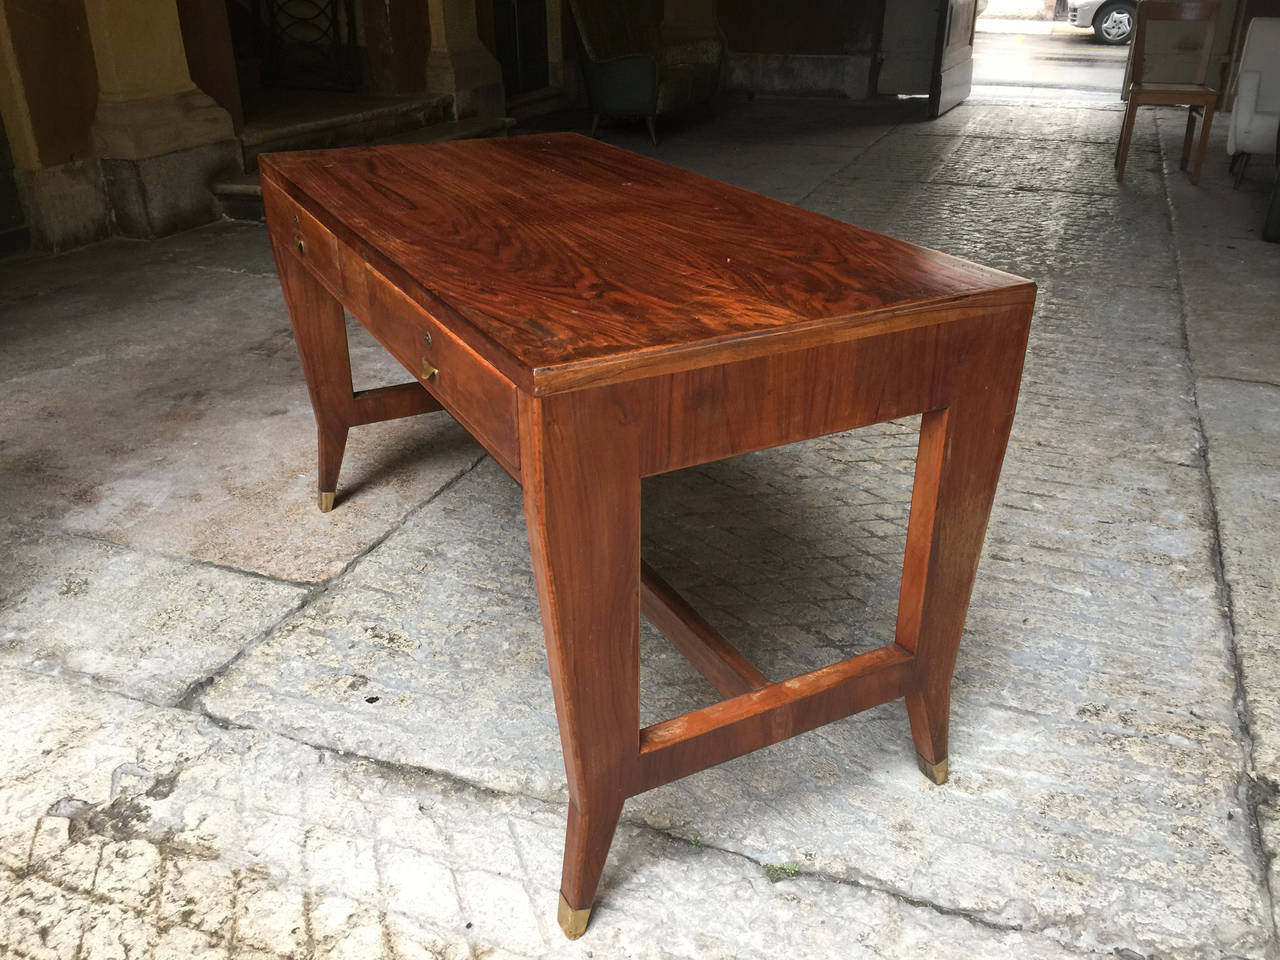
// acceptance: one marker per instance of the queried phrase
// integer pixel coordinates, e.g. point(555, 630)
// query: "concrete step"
point(300, 120)
point(241, 196)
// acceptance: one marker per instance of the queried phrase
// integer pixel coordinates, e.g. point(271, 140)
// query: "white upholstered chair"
point(1256, 114)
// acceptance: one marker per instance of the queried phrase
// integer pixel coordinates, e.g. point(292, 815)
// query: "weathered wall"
point(395, 37)
point(827, 27)
point(818, 47)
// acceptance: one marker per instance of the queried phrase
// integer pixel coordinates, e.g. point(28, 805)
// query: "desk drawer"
point(308, 240)
point(474, 393)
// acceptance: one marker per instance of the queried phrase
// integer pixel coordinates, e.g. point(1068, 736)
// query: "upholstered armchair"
point(1256, 115)
point(632, 71)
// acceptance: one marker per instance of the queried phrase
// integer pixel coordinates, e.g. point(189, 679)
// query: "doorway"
point(520, 41)
point(13, 232)
point(294, 44)
point(1030, 48)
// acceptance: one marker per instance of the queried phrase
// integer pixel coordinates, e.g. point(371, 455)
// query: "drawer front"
point(307, 239)
point(474, 393)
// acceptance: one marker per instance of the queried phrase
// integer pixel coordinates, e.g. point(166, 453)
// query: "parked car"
point(1112, 20)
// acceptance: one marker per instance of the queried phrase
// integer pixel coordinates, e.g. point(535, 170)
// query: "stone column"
point(459, 64)
point(160, 140)
point(48, 90)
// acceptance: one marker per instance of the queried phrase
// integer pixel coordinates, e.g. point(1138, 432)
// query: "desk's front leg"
point(320, 331)
point(957, 467)
point(581, 476)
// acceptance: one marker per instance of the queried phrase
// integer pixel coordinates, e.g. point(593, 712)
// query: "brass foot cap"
point(572, 922)
point(326, 501)
point(937, 772)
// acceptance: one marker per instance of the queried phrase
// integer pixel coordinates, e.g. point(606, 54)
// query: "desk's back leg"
point(320, 330)
point(957, 466)
point(579, 466)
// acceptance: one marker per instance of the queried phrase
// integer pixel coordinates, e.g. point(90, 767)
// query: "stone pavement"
point(236, 728)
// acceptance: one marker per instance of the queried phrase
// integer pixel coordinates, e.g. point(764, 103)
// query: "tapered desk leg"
point(320, 329)
point(957, 466)
point(579, 466)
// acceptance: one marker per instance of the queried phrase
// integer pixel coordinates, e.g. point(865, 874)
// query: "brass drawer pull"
point(428, 371)
point(298, 245)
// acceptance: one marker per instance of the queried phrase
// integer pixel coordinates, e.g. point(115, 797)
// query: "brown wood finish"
point(461, 382)
point(1199, 99)
point(702, 738)
point(320, 332)
point(533, 244)
point(392, 403)
point(582, 504)
point(593, 317)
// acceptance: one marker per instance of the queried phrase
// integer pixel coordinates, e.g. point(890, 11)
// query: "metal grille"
point(311, 43)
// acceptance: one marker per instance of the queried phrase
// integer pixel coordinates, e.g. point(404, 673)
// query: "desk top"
point(566, 262)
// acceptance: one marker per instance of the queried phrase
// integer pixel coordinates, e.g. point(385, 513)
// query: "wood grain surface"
point(592, 317)
point(566, 262)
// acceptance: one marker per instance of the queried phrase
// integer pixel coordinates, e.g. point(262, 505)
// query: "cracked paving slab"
point(1230, 280)
point(127, 829)
point(1097, 791)
point(190, 431)
point(61, 612)
point(1098, 801)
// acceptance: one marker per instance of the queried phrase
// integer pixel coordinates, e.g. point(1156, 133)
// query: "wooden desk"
point(593, 317)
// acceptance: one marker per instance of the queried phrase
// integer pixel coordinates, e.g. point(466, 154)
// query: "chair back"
point(1157, 11)
point(616, 28)
point(1261, 54)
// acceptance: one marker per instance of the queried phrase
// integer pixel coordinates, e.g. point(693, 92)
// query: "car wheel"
point(1113, 23)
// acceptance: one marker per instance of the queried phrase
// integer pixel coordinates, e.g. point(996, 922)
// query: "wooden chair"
point(1199, 98)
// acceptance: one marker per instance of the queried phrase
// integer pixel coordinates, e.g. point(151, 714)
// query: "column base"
point(64, 206)
point(159, 195)
point(472, 77)
point(159, 156)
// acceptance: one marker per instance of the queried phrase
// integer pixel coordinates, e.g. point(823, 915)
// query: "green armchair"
point(631, 71)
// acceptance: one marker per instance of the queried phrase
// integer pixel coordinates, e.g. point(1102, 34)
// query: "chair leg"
point(595, 124)
point(1126, 134)
point(653, 132)
point(1206, 121)
point(1239, 164)
point(1188, 138)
